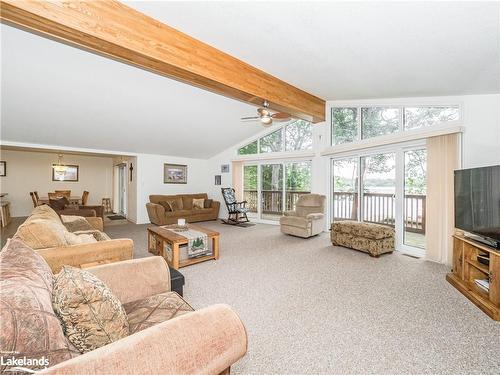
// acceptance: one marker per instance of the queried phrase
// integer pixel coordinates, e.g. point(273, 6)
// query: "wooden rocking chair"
point(237, 212)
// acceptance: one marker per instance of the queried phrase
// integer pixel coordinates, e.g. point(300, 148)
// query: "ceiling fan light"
point(266, 120)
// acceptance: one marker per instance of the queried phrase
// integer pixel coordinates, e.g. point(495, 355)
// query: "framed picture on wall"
point(174, 174)
point(68, 174)
point(224, 168)
point(218, 179)
point(3, 168)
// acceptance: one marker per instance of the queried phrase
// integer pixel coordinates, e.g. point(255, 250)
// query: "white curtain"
point(237, 179)
point(443, 157)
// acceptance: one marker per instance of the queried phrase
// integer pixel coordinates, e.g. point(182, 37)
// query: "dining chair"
point(65, 193)
point(85, 197)
point(34, 198)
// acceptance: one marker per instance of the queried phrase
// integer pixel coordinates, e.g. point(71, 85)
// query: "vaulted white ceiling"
point(345, 50)
point(56, 94)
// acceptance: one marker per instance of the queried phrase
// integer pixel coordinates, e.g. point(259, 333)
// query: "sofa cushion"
point(366, 230)
point(42, 229)
point(207, 203)
point(176, 204)
point(295, 221)
point(187, 202)
point(75, 223)
point(178, 213)
point(28, 324)
point(158, 308)
point(91, 315)
point(198, 203)
point(165, 205)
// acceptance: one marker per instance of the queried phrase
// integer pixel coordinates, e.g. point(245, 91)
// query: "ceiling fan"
point(266, 117)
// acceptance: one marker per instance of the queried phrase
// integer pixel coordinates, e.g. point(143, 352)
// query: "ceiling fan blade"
point(263, 112)
point(280, 116)
point(253, 118)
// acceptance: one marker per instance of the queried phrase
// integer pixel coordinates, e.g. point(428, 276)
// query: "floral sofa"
point(374, 239)
point(163, 333)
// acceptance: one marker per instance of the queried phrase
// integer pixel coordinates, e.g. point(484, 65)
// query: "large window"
point(271, 188)
point(249, 149)
point(344, 125)
point(350, 124)
point(296, 136)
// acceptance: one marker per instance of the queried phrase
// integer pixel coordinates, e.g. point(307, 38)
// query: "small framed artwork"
point(224, 168)
point(174, 174)
point(69, 174)
point(218, 179)
point(3, 168)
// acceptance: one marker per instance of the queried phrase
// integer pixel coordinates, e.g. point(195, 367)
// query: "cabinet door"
point(495, 279)
point(458, 258)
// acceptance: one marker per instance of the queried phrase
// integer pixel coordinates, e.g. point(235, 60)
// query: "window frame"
point(401, 107)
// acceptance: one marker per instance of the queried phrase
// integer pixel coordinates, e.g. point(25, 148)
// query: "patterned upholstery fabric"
point(374, 239)
point(158, 308)
point(75, 223)
point(91, 315)
point(28, 324)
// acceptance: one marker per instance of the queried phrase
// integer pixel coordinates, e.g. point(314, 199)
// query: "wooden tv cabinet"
point(466, 268)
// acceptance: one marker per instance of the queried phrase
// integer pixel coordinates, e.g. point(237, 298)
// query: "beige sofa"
point(308, 219)
point(44, 232)
point(160, 214)
point(165, 335)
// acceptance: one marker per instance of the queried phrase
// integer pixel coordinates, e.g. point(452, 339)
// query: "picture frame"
point(71, 174)
point(218, 179)
point(224, 168)
point(3, 168)
point(174, 173)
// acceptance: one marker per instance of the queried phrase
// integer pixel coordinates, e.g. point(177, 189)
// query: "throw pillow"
point(28, 325)
point(166, 205)
point(176, 204)
point(58, 204)
point(198, 204)
point(75, 223)
point(91, 315)
point(98, 235)
point(208, 203)
point(79, 239)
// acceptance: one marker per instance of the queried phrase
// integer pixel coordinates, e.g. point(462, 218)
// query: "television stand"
point(486, 241)
point(467, 268)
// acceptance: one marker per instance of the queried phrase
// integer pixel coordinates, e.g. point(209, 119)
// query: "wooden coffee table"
point(166, 243)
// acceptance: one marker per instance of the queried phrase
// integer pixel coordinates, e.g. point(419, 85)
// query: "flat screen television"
point(477, 202)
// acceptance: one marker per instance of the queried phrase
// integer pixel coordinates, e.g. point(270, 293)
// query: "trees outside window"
point(248, 149)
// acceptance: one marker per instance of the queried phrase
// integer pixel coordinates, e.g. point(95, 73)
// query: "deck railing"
point(377, 207)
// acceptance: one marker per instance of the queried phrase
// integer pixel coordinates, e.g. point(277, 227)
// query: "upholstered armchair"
point(308, 219)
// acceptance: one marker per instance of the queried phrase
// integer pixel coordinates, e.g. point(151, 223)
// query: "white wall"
point(150, 179)
point(30, 171)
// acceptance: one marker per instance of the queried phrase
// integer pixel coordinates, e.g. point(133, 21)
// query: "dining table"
point(72, 200)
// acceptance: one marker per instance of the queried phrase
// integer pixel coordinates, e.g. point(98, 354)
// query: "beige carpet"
point(310, 308)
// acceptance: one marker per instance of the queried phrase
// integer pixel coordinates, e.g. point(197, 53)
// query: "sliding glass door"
point(272, 188)
point(386, 188)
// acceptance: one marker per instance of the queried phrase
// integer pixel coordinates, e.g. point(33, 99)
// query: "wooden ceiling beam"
point(117, 31)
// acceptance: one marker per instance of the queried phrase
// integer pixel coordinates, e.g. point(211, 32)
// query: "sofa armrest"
point(207, 341)
point(96, 222)
point(216, 206)
point(89, 253)
point(156, 213)
point(315, 216)
point(135, 279)
point(289, 213)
